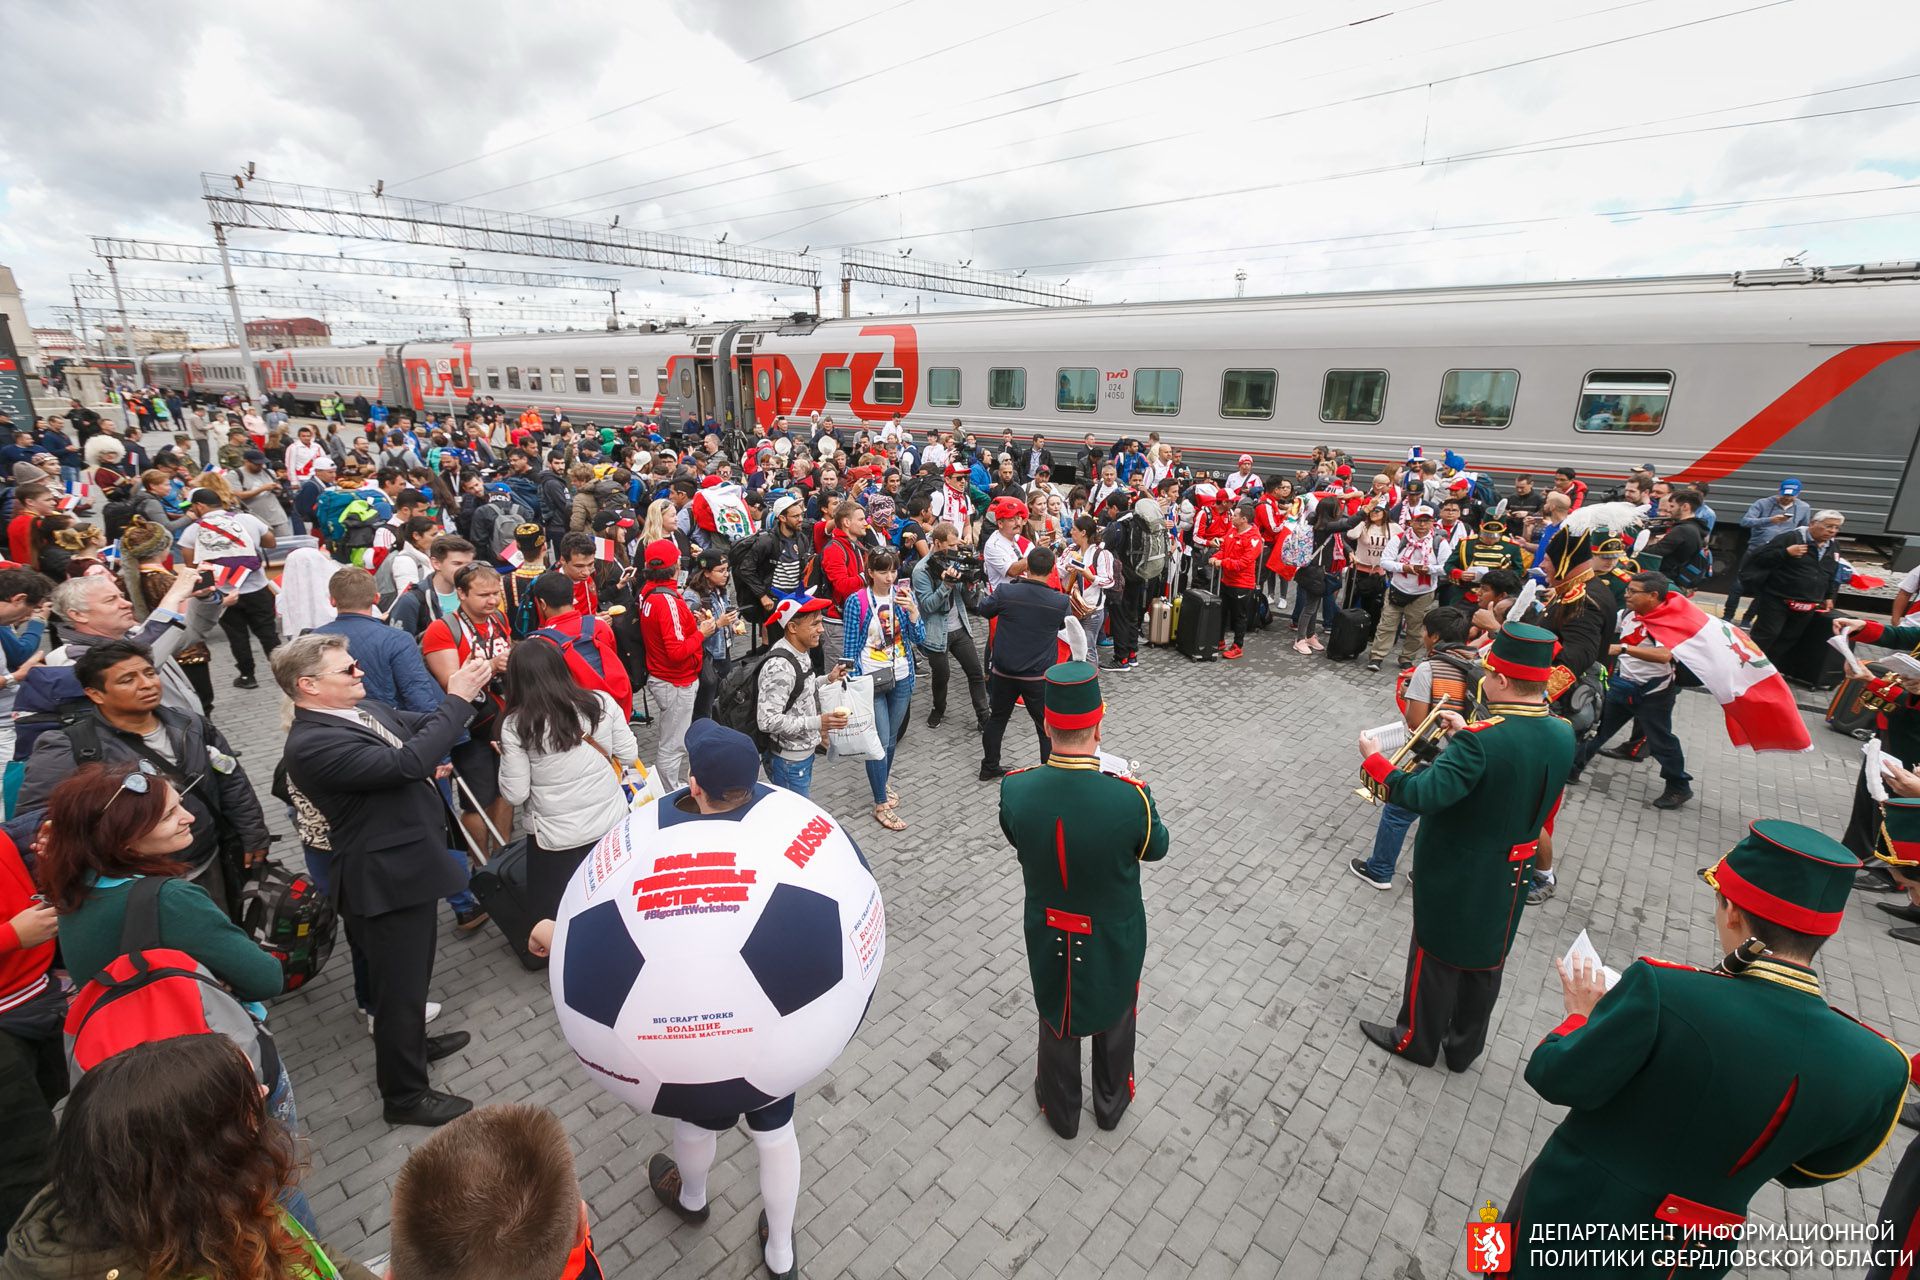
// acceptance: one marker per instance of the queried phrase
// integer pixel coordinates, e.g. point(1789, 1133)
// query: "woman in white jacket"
point(563, 750)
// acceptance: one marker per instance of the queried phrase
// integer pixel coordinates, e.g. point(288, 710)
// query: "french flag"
point(603, 548)
point(513, 555)
point(1759, 708)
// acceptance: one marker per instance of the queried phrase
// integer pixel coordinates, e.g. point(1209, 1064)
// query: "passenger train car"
point(1735, 380)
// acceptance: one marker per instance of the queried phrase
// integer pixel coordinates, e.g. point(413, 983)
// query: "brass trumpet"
point(1422, 748)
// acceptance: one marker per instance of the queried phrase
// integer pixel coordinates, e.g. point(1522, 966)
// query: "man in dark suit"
point(1036, 457)
point(369, 770)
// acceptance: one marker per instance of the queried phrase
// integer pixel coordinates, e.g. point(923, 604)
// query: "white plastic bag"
point(860, 740)
point(642, 785)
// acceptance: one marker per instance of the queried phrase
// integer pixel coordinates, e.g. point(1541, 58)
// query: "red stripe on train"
point(1799, 402)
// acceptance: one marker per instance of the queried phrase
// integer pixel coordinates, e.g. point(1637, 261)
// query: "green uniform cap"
point(1899, 841)
point(1073, 695)
point(1523, 651)
point(1787, 874)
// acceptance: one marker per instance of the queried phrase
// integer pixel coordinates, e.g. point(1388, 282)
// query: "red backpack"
point(152, 992)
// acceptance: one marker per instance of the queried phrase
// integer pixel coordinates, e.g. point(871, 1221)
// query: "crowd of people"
point(476, 615)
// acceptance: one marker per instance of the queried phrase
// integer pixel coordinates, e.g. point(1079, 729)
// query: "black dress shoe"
point(988, 772)
point(245, 682)
point(663, 1175)
point(1905, 935)
point(1380, 1035)
point(792, 1272)
point(1910, 1115)
point(1874, 882)
point(1622, 753)
point(446, 1046)
point(1673, 797)
point(1904, 910)
point(432, 1110)
point(933, 721)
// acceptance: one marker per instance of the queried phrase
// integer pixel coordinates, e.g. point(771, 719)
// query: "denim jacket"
point(937, 598)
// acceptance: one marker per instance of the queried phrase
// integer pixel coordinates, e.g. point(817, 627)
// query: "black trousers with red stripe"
point(1057, 1081)
point(1900, 1222)
point(1445, 1010)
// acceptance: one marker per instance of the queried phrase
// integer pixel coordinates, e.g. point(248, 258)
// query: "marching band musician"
point(1899, 847)
point(1482, 804)
point(1081, 835)
point(1690, 1089)
point(1473, 557)
point(1897, 726)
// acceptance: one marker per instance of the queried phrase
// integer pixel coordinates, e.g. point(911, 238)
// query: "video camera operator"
point(947, 584)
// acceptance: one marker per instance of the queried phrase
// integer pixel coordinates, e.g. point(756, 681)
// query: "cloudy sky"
point(1315, 144)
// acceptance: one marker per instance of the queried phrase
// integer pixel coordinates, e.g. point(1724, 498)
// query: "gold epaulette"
point(1559, 680)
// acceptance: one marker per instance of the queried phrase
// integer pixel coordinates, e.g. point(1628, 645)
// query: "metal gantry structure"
point(206, 255)
point(901, 272)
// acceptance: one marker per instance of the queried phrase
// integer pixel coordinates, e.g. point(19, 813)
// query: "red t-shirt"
point(20, 537)
point(457, 632)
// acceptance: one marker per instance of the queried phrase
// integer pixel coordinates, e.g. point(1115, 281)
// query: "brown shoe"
point(663, 1175)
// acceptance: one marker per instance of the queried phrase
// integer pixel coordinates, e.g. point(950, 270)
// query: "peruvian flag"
point(1760, 710)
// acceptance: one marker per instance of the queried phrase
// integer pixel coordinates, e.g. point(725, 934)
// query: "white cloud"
point(884, 129)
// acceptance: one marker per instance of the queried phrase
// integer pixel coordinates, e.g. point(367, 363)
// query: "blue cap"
point(1455, 461)
point(1790, 486)
point(722, 759)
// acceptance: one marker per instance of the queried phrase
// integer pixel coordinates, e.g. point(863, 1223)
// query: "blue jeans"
point(795, 775)
point(1388, 839)
point(889, 713)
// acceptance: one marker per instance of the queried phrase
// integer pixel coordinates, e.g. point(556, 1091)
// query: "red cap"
point(1007, 509)
point(1344, 471)
point(958, 468)
point(662, 554)
point(708, 482)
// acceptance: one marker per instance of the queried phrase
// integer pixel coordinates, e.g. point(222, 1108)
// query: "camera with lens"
point(971, 569)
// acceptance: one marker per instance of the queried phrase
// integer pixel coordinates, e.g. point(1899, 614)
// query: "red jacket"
point(844, 561)
point(1211, 522)
point(670, 635)
point(23, 973)
point(1239, 558)
point(612, 677)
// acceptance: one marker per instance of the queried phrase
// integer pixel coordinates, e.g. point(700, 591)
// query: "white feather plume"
point(1614, 517)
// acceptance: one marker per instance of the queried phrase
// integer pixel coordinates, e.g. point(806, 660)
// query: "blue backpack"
point(581, 644)
point(49, 698)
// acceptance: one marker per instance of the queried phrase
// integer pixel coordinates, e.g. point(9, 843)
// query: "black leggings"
point(1239, 611)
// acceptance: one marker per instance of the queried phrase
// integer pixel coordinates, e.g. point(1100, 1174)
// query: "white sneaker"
point(433, 1011)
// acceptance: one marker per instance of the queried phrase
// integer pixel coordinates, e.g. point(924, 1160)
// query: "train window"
point(493, 378)
point(1006, 388)
point(763, 385)
point(1156, 391)
point(1247, 393)
point(1619, 400)
point(556, 380)
point(609, 383)
point(533, 379)
point(582, 382)
point(459, 376)
point(686, 384)
point(513, 378)
point(889, 386)
point(660, 376)
point(943, 388)
point(839, 386)
point(1353, 395)
point(633, 382)
point(1077, 390)
point(1477, 397)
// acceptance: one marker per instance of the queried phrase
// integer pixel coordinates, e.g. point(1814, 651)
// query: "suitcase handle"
point(467, 791)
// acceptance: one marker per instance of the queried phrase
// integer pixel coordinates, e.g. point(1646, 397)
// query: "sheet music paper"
point(1902, 665)
point(1110, 763)
point(1876, 772)
point(1389, 737)
point(1843, 645)
point(1582, 949)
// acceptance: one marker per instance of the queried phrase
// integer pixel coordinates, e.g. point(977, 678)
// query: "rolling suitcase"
point(501, 888)
point(1850, 712)
point(1160, 621)
point(1201, 626)
point(1347, 639)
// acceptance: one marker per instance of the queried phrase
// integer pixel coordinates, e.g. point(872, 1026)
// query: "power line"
point(1341, 175)
point(1191, 133)
point(639, 102)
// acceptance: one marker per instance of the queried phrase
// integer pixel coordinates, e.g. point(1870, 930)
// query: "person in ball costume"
point(723, 769)
point(1081, 835)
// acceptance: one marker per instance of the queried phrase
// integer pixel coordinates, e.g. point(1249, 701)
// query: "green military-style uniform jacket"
point(1899, 725)
point(1690, 1090)
point(1475, 553)
point(1081, 836)
point(1482, 805)
point(1615, 581)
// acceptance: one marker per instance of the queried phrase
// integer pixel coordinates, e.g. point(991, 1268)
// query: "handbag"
point(1312, 576)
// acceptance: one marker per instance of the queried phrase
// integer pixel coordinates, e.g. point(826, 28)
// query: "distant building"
point(14, 307)
point(147, 339)
point(303, 331)
point(55, 343)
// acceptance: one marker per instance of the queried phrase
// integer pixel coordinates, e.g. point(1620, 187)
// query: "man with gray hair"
point(94, 609)
point(369, 771)
point(1798, 572)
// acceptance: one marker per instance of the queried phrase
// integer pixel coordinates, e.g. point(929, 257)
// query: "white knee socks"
point(779, 1189)
point(693, 1149)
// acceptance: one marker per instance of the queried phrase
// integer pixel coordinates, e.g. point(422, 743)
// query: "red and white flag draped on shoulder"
point(1759, 707)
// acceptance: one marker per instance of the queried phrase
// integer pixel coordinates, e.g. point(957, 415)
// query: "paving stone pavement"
point(1267, 1139)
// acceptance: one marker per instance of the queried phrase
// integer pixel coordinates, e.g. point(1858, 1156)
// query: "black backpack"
point(117, 515)
point(737, 705)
